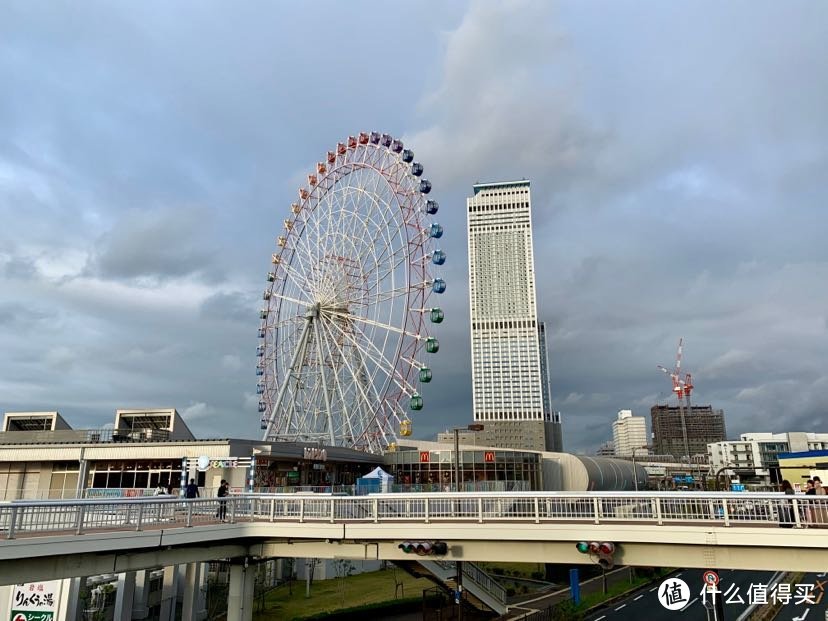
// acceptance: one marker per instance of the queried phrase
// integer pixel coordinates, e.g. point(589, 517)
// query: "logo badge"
point(674, 594)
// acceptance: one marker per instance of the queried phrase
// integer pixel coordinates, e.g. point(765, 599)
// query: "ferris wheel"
point(344, 334)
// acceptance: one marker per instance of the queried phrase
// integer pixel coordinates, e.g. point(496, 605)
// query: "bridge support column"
point(71, 606)
point(124, 596)
point(192, 590)
point(140, 610)
point(240, 595)
point(169, 593)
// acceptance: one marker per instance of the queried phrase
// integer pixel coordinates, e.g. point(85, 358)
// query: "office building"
point(629, 434)
point(754, 457)
point(508, 379)
point(704, 426)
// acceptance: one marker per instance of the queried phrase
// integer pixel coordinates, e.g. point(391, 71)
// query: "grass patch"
point(336, 595)
point(534, 571)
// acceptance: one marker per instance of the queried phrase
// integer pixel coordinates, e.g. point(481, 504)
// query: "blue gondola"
point(407, 156)
point(263, 314)
point(259, 371)
point(260, 350)
point(425, 375)
point(439, 285)
point(264, 423)
point(436, 231)
point(425, 186)
point(375, 138)
point(262, 332)
point(266, 294)
point(438, 257)
point(436, 314)
point(386, 140)
point(262, 406)
point(432, 207)
point(259, 389)
point(271, 276)
point(432, 345)
point(416, 169)
point(396, 145)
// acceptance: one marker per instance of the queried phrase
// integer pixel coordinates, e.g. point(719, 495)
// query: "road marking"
point(692, 601)
point(599, 618)
point(678, 575)
point(620, 607)
point(638, 598)
point(653, 589)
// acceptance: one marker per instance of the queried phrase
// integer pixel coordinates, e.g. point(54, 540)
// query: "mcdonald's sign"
point(425, 457)
point(489, 456)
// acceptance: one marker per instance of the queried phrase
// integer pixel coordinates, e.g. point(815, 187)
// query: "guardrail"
point(718, 509)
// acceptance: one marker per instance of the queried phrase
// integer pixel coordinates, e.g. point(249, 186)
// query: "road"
point(808, 612)
point(644, 603)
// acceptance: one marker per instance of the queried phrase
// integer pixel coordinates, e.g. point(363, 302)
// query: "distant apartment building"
point(704, 426)
point(629, 434)
point(754, 457)
point(510, 387)
point(607, 449)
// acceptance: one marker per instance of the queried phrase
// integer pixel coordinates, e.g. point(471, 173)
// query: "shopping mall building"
point(42, 457)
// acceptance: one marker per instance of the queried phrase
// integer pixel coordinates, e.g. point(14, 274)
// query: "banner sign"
point(34, 601)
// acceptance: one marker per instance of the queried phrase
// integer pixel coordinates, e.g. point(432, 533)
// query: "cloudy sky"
point(677, 152)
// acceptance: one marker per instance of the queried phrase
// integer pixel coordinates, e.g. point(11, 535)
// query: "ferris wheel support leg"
point(325, 392)
point(302, 341)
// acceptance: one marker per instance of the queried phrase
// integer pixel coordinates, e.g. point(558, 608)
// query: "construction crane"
point(682, 387)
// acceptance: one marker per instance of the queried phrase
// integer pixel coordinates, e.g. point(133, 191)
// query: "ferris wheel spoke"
point(364, 346)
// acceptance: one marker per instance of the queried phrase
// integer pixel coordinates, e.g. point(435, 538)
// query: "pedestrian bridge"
point(57, 539)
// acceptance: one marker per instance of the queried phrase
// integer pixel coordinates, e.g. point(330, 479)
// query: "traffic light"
point(424, 548)
point(604, 550)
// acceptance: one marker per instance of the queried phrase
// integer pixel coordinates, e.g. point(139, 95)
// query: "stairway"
point(481, 590)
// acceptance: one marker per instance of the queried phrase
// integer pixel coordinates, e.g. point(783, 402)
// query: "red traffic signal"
point(424, 548)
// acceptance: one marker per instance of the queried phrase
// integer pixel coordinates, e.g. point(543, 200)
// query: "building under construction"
point(704, 425)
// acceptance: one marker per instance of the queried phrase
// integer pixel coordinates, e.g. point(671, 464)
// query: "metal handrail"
point(719, 508)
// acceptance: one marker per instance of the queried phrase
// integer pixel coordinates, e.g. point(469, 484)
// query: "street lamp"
point(457, 430)
point(459, 564)
point(635, 474)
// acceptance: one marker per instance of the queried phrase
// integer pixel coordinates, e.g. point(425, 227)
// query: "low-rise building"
point(753, 459)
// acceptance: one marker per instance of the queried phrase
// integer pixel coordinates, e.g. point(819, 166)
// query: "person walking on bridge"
point(223, 492)
point(191, 491)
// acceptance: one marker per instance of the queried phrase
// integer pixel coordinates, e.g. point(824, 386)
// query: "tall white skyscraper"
point(629, 434)
point(508, 381)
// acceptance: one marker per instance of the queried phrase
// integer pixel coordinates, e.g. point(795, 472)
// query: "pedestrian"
point(809, 487)
point(191, 491)
point(222, 508)
point(160, 490)
point(786, 515)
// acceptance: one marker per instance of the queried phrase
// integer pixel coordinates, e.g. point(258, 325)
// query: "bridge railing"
point(722, 509)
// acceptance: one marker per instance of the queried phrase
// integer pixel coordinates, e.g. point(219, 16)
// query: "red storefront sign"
point(425, 457)
point(489, 456)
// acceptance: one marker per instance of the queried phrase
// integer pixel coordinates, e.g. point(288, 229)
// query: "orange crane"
point(682, 387)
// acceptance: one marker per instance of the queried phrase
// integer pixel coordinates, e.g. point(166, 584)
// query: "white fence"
point(722, 509)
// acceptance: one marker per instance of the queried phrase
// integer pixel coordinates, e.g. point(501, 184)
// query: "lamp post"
point(459, 564)
point(635, 474)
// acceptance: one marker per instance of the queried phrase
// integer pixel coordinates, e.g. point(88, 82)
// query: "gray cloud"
point(676, 152)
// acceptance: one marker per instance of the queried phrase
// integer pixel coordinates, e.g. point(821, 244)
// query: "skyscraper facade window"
point(506, 338)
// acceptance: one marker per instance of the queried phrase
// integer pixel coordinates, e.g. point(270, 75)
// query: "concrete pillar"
point(240, 594)
point(201, 603)
point(192, 587)
point(140, 610)
point(70, 607)
point(169, 594)
point(124, 597)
